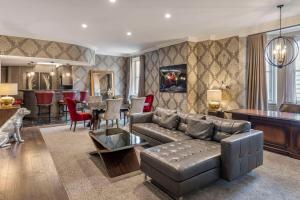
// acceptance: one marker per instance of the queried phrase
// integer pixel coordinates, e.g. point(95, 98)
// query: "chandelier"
point(281, 50)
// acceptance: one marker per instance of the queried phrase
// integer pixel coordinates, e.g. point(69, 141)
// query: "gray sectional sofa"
point(194, 150)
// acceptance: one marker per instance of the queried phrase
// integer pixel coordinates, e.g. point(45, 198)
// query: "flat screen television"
point(173, 79)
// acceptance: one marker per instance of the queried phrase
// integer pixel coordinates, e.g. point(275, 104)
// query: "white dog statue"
point(10, 130)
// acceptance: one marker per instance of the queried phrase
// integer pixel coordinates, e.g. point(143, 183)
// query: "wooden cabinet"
point(6, 113)
point(281, 130)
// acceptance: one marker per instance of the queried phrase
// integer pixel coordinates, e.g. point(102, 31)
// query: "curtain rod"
point(275, 29)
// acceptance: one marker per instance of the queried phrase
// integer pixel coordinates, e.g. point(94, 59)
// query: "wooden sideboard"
point(6, 113)
point(281, 129)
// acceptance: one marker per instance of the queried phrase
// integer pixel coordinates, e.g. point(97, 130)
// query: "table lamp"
point(214, 98)
point(8, 89)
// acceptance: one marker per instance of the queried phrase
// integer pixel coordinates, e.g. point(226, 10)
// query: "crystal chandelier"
point(281, 50)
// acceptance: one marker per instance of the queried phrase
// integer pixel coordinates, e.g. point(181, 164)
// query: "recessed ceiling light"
point(84, 25)
point(128, 33)
point(112, 1)
point(168, 15)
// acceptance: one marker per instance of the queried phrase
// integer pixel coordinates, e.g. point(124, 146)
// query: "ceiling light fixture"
point(281, 51)
point(168, 15)
point(112, 1)
point(84, 25)
point(128, 33)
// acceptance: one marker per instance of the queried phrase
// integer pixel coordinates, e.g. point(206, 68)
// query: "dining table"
point(98, 108)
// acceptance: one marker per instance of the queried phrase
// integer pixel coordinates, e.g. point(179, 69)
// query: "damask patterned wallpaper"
point(209, 63)
point(18, 46)
point(81, 74)
point(222, 60)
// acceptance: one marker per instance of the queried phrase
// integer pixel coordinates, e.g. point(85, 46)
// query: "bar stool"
point(44, 99)
point(63, 103)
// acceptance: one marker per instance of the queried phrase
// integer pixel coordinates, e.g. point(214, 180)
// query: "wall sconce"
point(52, 73)
point(68, 74)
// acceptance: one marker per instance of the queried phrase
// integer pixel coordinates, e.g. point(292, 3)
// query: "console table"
point(6, 113)
point(281, 129)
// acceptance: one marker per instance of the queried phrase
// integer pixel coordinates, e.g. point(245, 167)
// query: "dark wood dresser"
point(281, 129)
point(6, 113)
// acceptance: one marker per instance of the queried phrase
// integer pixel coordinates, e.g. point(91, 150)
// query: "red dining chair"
point(76, 115)
point(44, 99)
point(148, 103)
point(62, 103)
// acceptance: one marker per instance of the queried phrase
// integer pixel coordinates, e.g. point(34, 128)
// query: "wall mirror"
point(102, 84)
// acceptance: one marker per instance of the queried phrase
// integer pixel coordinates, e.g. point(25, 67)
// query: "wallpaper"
point(208, 64)
point(18, 46)
point(172, 55)
point(222, 60)
point(81, 74)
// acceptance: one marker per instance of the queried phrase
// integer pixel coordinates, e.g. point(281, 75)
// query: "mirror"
point(102, 84)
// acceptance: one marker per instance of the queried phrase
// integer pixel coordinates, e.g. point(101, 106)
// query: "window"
point(134, 76)
point(271, 73)
point(298, 76)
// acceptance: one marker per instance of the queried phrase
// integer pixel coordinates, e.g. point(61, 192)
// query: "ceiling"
point(60, 20)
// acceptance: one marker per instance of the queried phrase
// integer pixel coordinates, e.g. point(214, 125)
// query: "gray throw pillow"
point(200, 129)
point(156, 119)
point(169, 121)
point(220, 135)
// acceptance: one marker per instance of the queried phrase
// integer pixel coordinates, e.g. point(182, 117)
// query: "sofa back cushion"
point(183, 120)
point(169, 121)
point(159, 112)
point(200, 129)
point(224, 128)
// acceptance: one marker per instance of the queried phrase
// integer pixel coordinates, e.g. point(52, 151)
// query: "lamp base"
point(214, 106)
point(7, 101)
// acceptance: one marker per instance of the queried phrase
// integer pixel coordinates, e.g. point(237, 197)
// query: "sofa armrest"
point(241, 153)
point(140, 118)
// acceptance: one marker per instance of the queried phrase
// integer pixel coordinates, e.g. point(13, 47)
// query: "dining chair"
point(148, 103)
point(76, 115)
point(136, 106)
point(112, 111)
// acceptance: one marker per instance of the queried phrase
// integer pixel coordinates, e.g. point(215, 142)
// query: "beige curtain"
point(141, 92)
point(256, 69)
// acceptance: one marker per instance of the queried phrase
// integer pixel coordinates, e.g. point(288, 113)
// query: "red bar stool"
point(44, 99)
point(148, 103)
point(83, 99)
point(62, 103)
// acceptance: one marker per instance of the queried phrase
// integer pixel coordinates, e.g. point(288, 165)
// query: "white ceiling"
point(60, 20)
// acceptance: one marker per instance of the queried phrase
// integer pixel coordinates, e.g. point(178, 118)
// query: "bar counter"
point(29, 102)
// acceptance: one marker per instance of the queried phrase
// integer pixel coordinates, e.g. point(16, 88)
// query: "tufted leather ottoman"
point(183, 166)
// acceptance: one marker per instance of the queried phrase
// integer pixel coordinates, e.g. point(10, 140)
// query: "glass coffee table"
point(116, 148)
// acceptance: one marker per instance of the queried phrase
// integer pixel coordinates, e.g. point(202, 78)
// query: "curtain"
point(128, 69)
point(256, 71)
point(286, 83)
point(141, 91)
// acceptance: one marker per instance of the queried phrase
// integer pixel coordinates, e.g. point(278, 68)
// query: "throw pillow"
point(169, 121)
point(200, 129)
point(155, 119)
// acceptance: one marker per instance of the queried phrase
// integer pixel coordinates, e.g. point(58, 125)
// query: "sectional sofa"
point(193, 150)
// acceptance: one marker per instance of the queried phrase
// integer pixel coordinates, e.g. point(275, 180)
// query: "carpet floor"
point(84, 177)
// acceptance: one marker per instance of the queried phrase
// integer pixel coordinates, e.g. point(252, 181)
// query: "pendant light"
point(281, 50)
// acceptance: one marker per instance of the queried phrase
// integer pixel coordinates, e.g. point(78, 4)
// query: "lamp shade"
point(8, 89)
point(214, 95)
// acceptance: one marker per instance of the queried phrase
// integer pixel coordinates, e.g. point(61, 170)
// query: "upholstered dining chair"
point(76, 115)
point(112, 112)
point(289, 107)
point(148, 103)
point(136, 106)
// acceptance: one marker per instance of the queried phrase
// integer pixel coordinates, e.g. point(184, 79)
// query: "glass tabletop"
point(114, 139)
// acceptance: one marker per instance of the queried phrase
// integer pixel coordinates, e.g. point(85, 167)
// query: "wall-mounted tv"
point(173, 79)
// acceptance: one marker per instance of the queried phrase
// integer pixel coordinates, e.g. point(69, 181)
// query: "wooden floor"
point(27, 171)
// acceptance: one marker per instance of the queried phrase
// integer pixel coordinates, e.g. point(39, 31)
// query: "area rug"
point(84, 177)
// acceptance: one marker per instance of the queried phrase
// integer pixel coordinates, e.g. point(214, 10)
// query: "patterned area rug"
point(84, 176)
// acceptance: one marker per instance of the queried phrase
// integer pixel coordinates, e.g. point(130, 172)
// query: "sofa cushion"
point(159, 112)
point(183, 160)
point(183, 120)
point(159, 133)
point(169, 121)
point(200, 129)
point(226, 127)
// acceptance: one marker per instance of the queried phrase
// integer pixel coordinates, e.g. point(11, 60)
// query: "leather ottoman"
point(180, 167)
